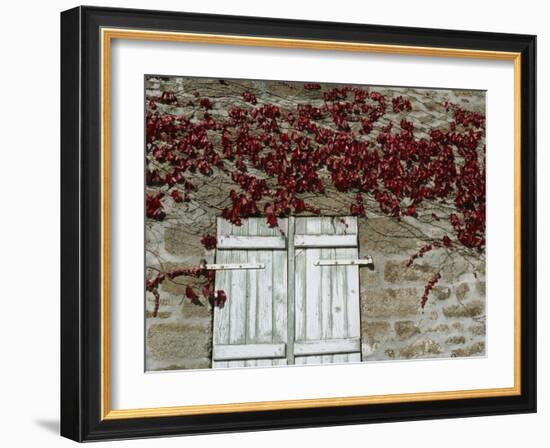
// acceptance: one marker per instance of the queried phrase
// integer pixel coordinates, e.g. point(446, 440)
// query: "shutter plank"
point(341, 358)
point(352, 224)
point(280, 291)
point(326, 296)
point(251, 242)
point(265, 285)
point(313, 285)
point(241, 352)
point(318, 241)
point(221, 315)
point(224, 227)
point(237, 301)
point(339, 308)
point(239, 295)
point(326, 287)
point(235, 364)
point(300, 285)
point(265, 298)
point(313, 290)
point(352, 295)
point(280, 296)
point(252, 302)
point(223, 282)
point(264, 362)
point(327, 346)
point(300, 294)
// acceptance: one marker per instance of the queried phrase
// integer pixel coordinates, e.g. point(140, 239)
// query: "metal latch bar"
point(230, 266)
point(345, 262)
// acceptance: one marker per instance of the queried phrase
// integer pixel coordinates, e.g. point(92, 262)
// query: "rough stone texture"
point(475, 349)
point(462, 290)
point(470, 309)
point(398, 272)
point(458, 326)
point(425, 348)
point(160, 314)
point(169, 343)
point(478, 330)
point(453, 340)
point(393, 323)
point(400, 302)
point(441, 292)
point(452, 322)
point(406, 329)
point(480, 287)
point(441, 328)
point(376, 331)
point(181, 243)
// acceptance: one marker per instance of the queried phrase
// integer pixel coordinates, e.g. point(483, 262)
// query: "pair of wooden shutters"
point(293, 294)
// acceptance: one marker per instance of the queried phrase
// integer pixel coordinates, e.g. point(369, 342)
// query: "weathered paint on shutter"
point(327, 319)
point(251, 329)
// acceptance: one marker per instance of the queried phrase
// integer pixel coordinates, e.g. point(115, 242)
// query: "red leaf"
point(209, 242)
point(190, 294)
point(220, 298)
point(176, 196)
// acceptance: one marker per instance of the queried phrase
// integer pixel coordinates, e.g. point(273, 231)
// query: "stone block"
point(461, 291)
point(179, 242)
point(420, 348)
point(475, 349)
point(458, 326)
point(368, 278)
point(406, 329)
point(477, 330)
point(179, 342)
point(400, 302)
point(480, 288)
point(441, 328)
point(190, 310)
point(397, 272)
point(160, 314)
point(196, 363)
point(376, 331)
point(441, 292)
point(454, 340)
point(470, 309)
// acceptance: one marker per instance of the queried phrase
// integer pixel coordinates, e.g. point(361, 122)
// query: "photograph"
point(291, 223)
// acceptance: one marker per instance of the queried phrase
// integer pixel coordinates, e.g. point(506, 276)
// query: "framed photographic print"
point(274, 224)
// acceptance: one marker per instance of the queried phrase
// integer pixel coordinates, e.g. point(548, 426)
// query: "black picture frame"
point(81, 224)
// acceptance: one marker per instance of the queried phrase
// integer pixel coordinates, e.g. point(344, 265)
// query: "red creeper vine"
point(275, 157)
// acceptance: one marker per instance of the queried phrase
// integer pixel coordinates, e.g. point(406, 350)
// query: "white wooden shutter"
point(251, 329)
point(327, 314)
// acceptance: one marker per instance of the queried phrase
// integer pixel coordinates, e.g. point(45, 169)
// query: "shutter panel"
point(327, 322)
point(251, 329)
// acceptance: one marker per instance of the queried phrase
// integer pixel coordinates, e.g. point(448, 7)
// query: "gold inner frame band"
point(107, 35)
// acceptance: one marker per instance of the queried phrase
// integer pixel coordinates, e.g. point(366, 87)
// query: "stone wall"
point(180, 337)
point(393, 323)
